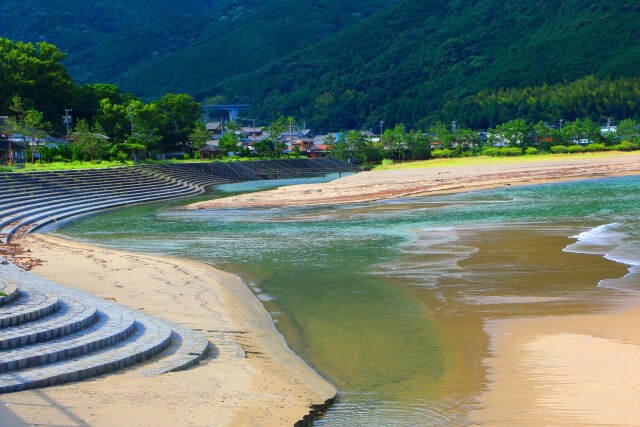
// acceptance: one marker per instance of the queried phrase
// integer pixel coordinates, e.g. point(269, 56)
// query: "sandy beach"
point(439, 179)
point(557, 370)
point(564, 370)
point(271, 386)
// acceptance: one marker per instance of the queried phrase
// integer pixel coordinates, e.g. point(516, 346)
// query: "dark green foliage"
point(34, 73)
point(335, 64)
point(404, 63)
point(152, 48)
point(598, 99)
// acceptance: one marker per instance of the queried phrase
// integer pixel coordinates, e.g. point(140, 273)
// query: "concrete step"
point(11, 291)
point(28, 306)
point(150, 337)
point(109, 329)
point(67, 320)
point(186, 348)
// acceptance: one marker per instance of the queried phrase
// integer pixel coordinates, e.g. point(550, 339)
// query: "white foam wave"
point(611, 241)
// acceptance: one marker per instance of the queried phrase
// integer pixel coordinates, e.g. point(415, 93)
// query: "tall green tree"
point(181, 113)
point(514, 132)
point(627, 130)
point(35, 73)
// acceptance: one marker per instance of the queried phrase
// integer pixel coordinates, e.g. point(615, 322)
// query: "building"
point(12, 153)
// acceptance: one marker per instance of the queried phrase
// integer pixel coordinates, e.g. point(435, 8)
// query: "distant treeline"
point(590, 97)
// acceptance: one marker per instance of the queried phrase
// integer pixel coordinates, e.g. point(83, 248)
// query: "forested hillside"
point(405, 63)
point(339, 65)
point(152, 48)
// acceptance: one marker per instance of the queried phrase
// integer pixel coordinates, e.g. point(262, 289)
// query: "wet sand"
point(561, 350)
point(566, 367)
point(271, 386)
point(442, 179)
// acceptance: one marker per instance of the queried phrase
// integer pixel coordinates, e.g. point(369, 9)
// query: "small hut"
point(209, 152)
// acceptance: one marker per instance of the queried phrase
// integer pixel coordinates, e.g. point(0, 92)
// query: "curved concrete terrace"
point(50, 334)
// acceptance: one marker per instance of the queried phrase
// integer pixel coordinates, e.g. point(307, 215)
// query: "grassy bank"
point(487, 160)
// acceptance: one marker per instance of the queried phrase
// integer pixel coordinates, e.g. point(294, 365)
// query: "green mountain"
point(340, 64)
point(405, 63)
point(152, 48)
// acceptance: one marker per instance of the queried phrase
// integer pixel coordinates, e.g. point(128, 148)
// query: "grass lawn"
point(486, 160)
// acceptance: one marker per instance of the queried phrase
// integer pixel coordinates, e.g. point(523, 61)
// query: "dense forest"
point(109, 124)
point(404, 64)
point(158, 47)
point(339, 65)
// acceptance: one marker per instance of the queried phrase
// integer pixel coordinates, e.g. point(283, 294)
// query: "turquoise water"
point(388, 299)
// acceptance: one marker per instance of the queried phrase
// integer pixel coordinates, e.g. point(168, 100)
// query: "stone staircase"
point(31, 200)
point(52, 335)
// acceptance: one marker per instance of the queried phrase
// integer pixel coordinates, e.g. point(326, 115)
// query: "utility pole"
point(561, 120)
point(381, 126)
point(131, 117)
point(66, 119)
point(609, 124)
point(253, 125)
point(454, 129)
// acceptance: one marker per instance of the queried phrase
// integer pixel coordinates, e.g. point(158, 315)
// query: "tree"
point(200, 135)
point(467, 139)
point(420, 145)
point(88, 142)
point(581, 130)
point(513, 132)
point(396, 139)
point(351, 146)
point(544, 137)
point(34, 72)
point(181, 112)
point(442, 134)
point(627, 130)
point(114, 119)
point(229, 142)
point(36, 129)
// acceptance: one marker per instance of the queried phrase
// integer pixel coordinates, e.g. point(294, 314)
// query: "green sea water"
point(388, 300)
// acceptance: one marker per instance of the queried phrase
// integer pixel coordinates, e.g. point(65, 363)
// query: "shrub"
point(60, 159)
point(510, 151)
point(387, 162)
point(531, 151)
point(444, 153)
point(5, 169)
point(186, 157)
point(572, 149)
point(559, 149)
point(502, 151)
point(122, 156)
point(595, 147)
point(625, 146)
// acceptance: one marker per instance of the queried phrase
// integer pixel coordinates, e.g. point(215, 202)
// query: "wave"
point(614, 242)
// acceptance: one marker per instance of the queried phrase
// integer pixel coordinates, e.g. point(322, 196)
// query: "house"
point(215, 128)
point(251, 134)
point(608, 128)
point(11, 153)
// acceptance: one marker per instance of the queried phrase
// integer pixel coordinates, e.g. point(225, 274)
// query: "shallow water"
point(388, 300)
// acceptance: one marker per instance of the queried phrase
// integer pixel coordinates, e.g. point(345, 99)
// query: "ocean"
point(389, 300)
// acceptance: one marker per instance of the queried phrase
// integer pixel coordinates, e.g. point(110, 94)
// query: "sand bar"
point(440, 179)
point(569, 370)
point(556, 370)
point(271, 386)
point(564, 371)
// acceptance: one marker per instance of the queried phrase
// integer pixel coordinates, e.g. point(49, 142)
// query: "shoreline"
point(438, 180)
point(273, 386)
point(250, 377)
point(573, 369)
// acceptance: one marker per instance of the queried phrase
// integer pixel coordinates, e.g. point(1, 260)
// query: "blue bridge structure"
point(232, 109)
